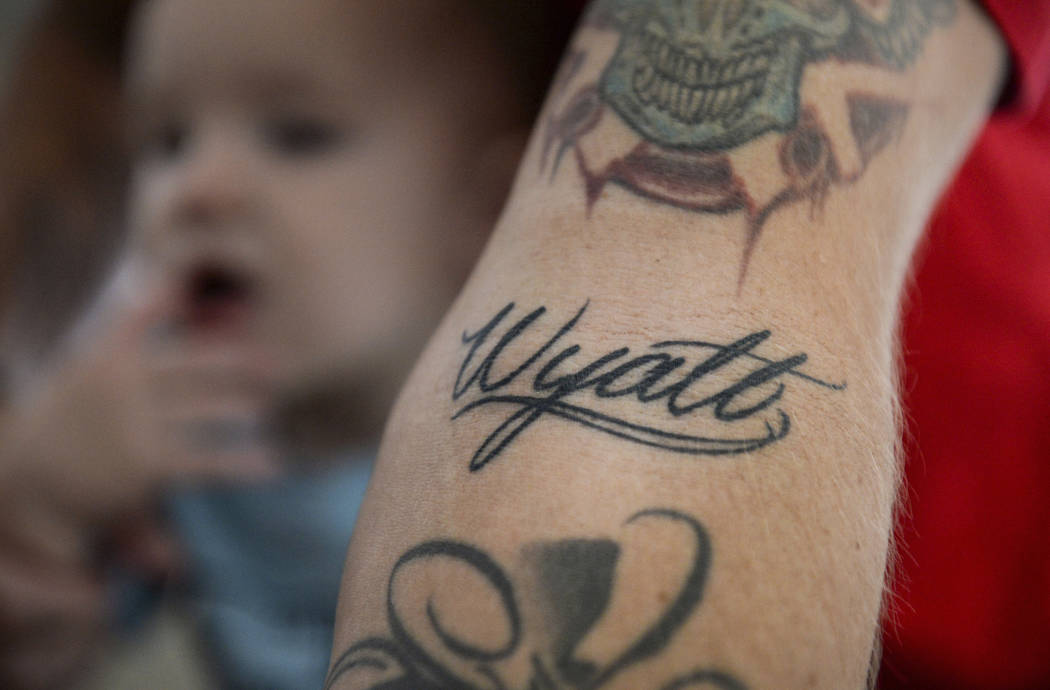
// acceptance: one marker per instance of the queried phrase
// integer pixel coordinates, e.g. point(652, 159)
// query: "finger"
point(218, 442)
point(55, 658)
point(215, 410)
point(131, 301)
point(214, 351)
point(254, 465)
point(35, 597)
point(142, 302)
point(192, 369)
point(199, 383)
point(158, 304)
point(34, 530)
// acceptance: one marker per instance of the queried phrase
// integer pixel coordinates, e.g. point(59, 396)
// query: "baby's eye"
point(302, 136)
point(167, 141)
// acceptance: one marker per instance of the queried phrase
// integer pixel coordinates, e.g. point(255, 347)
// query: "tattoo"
point(440, 646)
point(698, 82)
point(738, 390)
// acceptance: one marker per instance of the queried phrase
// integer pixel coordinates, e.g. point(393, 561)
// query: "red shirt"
point(971, 602)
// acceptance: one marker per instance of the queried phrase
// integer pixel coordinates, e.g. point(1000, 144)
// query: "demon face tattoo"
point(696, 83)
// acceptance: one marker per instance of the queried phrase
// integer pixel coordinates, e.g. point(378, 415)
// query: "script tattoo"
point(571, 593)
point(738, 390)
point(701, 83)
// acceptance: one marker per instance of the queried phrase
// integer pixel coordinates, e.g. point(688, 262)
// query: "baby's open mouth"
point(218, 296)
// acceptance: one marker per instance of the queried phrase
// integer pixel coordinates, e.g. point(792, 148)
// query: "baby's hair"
point(62, 169)
point(535, 34)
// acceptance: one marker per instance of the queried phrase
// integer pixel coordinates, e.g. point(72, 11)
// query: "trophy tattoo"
point(559, 595)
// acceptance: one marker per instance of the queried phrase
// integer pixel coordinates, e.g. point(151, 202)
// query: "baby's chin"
point(325, 408)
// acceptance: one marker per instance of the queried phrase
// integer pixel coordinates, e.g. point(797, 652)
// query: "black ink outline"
point(419, 670)
point(655, 365)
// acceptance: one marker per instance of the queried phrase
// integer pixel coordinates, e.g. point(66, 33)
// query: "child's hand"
point(206, 406)
point(134, 404)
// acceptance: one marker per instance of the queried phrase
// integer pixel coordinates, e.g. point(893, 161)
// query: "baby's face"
point(302, 174)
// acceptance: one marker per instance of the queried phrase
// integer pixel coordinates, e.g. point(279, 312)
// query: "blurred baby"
point(311, 184)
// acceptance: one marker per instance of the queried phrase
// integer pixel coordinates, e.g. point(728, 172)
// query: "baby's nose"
point(214, 186)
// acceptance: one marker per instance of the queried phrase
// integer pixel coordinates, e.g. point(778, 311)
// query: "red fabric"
point(1024, 23)
point(971, 607)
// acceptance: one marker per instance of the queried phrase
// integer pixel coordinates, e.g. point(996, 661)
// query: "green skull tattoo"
point(708, 75)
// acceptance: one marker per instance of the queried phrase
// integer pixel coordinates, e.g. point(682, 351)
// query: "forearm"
point(652, 445)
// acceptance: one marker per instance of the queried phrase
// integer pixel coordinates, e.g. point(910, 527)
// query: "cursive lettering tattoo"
point(700, 83)
point(730, 389)
point(537, 633)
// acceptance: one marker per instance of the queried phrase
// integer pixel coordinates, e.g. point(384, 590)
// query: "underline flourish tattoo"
point(740, 389)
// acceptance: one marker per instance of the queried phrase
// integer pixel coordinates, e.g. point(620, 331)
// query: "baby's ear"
point(496, 164)
point(480, 192)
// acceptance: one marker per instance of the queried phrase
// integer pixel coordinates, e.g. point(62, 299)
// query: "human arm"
point(652, 444)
